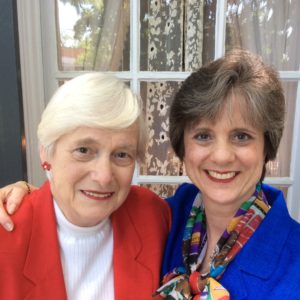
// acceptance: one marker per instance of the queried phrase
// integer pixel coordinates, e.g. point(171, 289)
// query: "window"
point(154, 45)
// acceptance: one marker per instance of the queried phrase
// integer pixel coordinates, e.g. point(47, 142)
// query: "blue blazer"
point(268, 267)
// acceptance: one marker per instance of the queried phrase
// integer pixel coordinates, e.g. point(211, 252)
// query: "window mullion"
point(134, 42)
point(294, 190)
point(220, 29)
point(135, 56)
point(49, 43)
point(32, 82)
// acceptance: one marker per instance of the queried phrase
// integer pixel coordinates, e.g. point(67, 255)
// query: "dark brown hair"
point(204, 94)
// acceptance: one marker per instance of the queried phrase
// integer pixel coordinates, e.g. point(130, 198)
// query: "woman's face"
point(91, 172)
point(225, 158)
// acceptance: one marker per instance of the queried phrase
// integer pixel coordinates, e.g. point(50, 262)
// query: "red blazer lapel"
point(132, 279)
point(43, 265)
point(140, 228)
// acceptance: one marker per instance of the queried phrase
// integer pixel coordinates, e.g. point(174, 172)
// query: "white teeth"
point(221, 175)
point(97, 194)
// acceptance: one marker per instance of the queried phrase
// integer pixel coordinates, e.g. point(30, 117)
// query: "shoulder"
point(144, 203)
point(279, 217)
point(16, 242)
point(181, 202)
point(23, 220)
point(293, 241)
point(273, 194)
point(142, 197)
point(185, 192)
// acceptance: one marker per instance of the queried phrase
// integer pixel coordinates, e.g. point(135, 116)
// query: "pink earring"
point(46, 166)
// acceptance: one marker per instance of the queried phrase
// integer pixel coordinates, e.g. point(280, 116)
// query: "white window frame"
point(40, 76)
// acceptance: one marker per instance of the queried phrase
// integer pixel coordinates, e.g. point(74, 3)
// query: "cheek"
point(65, 176)
point(253, 159)
point(194, 155)
point(125, 177)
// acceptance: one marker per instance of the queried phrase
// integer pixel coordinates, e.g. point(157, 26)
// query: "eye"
point(83, 153)
point(123, 158)
point(202, 137)
point(82, 150)
point(122, 155)
point(242, 137)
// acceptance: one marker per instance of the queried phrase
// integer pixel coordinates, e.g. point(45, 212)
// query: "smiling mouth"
point(97, 195)
point(221, 176)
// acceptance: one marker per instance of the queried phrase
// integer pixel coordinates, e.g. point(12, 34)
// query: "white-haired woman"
point(87, 233)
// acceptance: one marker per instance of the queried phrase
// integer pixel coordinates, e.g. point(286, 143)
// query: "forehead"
point(236, 103)
point(235, 111)
point(237, 108)
point(126, 137)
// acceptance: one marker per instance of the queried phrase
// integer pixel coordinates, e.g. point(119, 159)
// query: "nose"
point(223, 153)
point(102, 171)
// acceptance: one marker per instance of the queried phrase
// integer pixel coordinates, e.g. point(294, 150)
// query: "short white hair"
point(95, 100)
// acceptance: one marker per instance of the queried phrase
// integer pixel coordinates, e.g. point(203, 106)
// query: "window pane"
point(281, 166)
point(93, 35)
point(160, 159)
point(176, 35)
point(269, 28)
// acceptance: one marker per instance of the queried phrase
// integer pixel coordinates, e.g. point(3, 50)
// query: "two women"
point(231, 235)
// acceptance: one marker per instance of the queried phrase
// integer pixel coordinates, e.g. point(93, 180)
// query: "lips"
point(221, 176)
point(97, 195)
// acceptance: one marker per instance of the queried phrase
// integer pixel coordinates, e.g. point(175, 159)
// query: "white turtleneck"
point(87, 259)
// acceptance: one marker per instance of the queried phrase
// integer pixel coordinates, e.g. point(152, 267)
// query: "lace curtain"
point(174, 43)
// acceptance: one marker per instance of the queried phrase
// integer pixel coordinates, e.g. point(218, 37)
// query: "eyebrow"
point(201, 128)
point(90, 140)
point(87, 140)
point(251, 130)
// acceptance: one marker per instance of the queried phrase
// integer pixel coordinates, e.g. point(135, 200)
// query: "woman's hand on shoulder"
point(11, 196)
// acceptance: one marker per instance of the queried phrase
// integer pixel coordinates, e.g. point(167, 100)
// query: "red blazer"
point(30, 265)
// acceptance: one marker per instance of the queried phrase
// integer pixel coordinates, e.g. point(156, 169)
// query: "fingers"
point(12, 196)
point(5, 220)
point(15, 197)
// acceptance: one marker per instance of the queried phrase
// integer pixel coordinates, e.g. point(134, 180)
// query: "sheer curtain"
point(97, 36)
point(111, 40)
point(268, 28)
point(272, 29)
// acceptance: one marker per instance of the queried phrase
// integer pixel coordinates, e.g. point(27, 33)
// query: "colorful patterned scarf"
point(187, 283)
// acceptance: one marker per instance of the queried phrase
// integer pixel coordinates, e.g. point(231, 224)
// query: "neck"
point(217, 219)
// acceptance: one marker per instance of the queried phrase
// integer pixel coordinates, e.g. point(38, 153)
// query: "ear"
point(43, 154)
